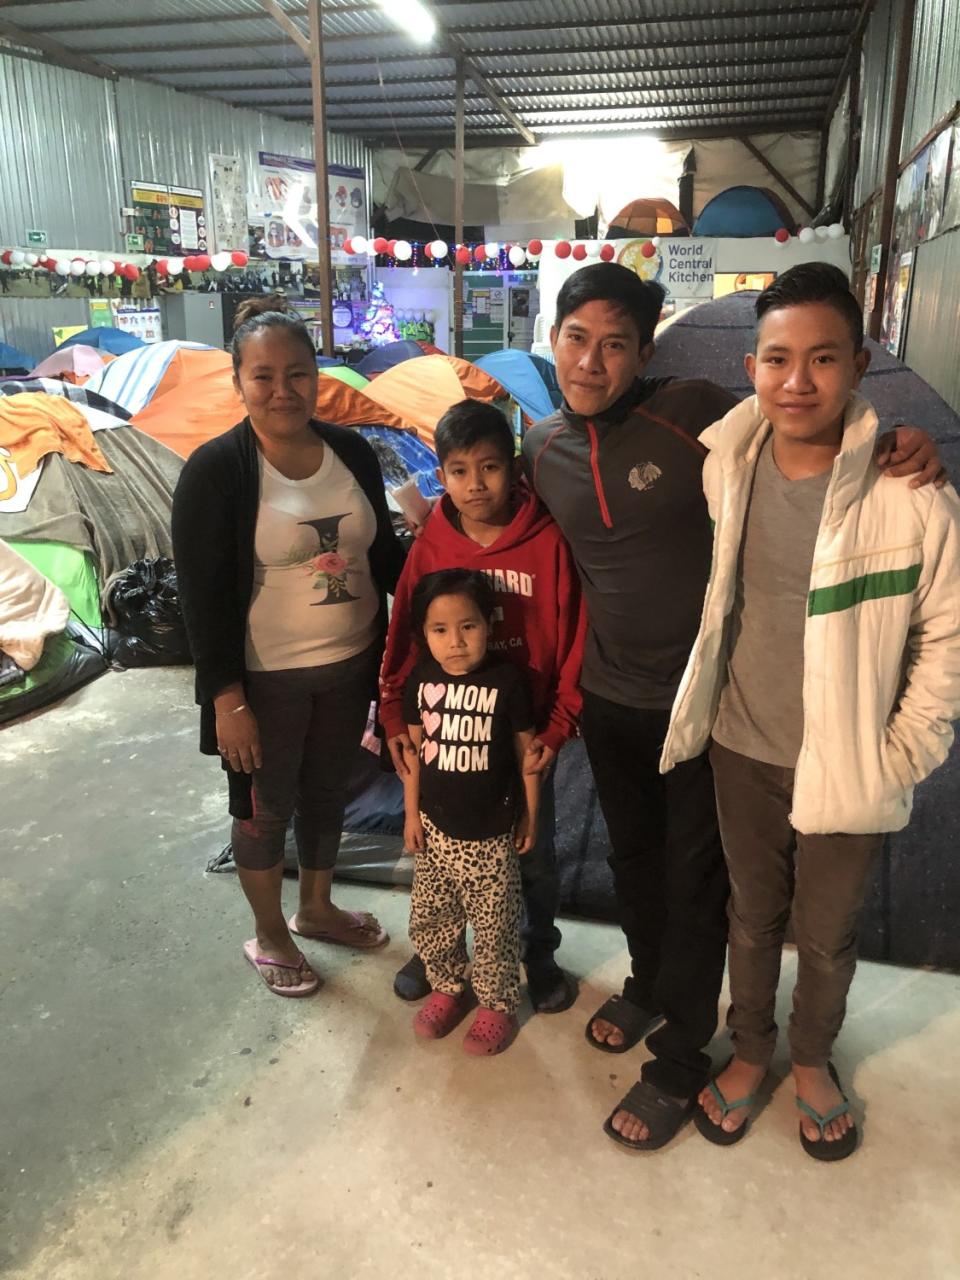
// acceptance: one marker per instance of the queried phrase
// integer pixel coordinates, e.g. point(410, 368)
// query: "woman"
point(285, 554)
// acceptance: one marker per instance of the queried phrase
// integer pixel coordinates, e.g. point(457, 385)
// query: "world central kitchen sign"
point(684, 266)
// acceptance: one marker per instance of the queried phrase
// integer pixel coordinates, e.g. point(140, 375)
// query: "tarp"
point(70, 362)
point(421, 391)
point(55, 387)
point(205, 406)
point(380, 359)
point(742, 212)
point(402, 457)
point(133, 379)
point(105, 338)
point(13, 360)
point(529, 379)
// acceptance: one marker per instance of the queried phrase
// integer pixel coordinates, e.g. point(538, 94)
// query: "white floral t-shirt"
point(314, 600)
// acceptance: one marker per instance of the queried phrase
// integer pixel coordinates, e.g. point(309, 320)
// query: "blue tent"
point(13, 360)
point(115, 341)
point(329, 362)
point(383, 358)
point(531, 380)
point(742, 212)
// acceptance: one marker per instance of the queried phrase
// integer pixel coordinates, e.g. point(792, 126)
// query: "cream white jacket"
point(881, 648)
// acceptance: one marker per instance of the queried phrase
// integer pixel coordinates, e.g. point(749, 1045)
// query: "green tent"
point(347, 375)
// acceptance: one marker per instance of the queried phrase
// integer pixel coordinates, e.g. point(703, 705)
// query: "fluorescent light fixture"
point(412, 17)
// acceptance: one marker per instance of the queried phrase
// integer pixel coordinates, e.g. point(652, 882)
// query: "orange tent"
point(651, 218)
point(421, 391)
point(201, 407)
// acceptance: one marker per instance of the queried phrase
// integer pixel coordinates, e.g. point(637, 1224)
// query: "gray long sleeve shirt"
point(625, 489)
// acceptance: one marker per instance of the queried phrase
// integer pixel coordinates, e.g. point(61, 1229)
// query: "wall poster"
point(171, 220)
point(229, 203)
point(283, 208)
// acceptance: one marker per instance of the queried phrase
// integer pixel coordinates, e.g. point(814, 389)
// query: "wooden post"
point(320, 164)
point(458, 209)
point(894, 143)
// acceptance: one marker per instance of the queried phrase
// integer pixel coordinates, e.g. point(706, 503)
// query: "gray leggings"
point(311, 721)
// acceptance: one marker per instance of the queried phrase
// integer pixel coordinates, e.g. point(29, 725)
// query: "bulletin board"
point(484, 300)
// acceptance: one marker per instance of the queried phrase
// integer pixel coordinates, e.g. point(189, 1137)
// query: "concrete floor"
point(164, 1116)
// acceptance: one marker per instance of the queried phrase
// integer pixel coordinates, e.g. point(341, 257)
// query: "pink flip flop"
point(364, 933)
point(490, 1032)
point(306, 987)
point(439, 1015)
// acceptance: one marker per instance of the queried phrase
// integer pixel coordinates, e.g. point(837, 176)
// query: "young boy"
point(826, 669)
point(488, 522)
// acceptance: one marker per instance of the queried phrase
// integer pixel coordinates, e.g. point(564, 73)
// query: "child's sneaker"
point(440, 1015)
point(491, 1032)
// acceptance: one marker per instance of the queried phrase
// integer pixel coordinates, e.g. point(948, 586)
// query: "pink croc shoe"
point(439, 1015)
point(491, 1032)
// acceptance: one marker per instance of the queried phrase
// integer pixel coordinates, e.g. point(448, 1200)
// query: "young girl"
point(470, 809)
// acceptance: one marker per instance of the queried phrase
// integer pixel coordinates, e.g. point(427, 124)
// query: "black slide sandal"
point(632, 1020)
point(664, 1116)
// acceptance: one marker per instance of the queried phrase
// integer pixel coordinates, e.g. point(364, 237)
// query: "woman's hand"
point(238, 739)
point(909, 451)
point(413, 838)
point(525, 832)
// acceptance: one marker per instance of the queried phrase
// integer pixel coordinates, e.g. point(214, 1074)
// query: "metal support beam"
point(852, 55)
point(286, 23)
point(775, 173)
point(821, 168)
point(892, 166)
point(320, 164)
point(458, 187)
point(425, 160)
point(853, 141)
point(56, 53)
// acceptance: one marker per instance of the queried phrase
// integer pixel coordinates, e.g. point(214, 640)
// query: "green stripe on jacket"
point(872, 586)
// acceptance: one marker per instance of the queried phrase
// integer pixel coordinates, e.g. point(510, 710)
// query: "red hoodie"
point(540, 622)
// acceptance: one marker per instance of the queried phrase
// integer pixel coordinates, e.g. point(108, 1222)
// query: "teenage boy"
point(827, 668)
point(489, 522)
point(619, 467)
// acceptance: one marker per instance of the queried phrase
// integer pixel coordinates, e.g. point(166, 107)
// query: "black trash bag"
point(143, 610)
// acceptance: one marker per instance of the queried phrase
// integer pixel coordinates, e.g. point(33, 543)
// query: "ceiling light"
point(412, 17)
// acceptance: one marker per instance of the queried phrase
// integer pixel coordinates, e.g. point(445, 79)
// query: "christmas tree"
point(378, 325)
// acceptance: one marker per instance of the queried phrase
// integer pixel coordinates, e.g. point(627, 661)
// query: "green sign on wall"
point(36, 237)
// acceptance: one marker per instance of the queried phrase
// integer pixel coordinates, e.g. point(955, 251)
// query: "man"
point(619, 467)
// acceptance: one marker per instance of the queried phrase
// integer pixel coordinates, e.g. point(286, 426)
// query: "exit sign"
point(36, 237)
point(134, 242)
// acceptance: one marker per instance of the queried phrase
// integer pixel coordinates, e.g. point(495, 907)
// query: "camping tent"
point(44, 652)
point(133, 379)
point(380, 359)
point(654, 217)
point(744, 211)
point(13, 360)
point(421, 391)
point(347, 375)
point(529, 379)
point(73, 364)
point(105, 338)
point(205, 406)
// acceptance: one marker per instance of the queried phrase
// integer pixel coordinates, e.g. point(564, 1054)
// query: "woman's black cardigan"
point(214, 522)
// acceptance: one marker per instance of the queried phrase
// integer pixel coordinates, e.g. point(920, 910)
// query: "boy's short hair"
point(641, 300)
point(450, 582)
point(814, 282)
point(469, 423)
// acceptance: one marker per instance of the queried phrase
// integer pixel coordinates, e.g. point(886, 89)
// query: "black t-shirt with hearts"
point(470, 784)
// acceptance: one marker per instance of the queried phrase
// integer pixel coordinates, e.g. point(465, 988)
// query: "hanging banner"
point(170, 220)
point(283, 210)
point(685, 266)
point(229, 203)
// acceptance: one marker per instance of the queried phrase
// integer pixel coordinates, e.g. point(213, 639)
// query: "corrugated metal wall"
point(935, 68)
point(28, 323)
point(70, 145)
point(880, 45)
point(933, 331)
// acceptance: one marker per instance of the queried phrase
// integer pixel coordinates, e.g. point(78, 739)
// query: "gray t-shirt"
point(761, 706)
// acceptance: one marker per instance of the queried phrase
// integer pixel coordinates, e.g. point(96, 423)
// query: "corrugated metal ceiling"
point(561, 65)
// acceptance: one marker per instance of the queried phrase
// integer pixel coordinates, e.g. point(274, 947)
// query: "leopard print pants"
point(475, 881)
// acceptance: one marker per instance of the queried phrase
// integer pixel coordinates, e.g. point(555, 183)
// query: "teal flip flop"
point(713, 1132)
point(820, 1148)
